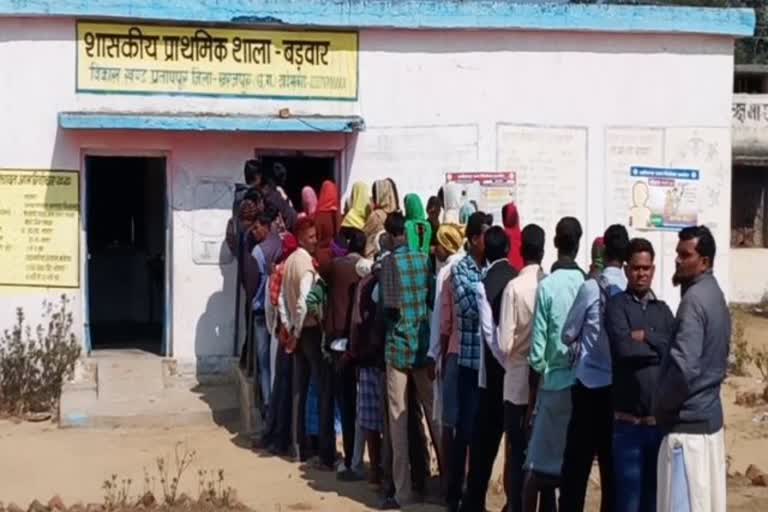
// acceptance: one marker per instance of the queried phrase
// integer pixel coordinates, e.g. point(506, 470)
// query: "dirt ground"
point(38, 461)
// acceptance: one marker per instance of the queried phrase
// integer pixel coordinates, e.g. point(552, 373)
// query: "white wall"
point(749, 278)
point(433, 102)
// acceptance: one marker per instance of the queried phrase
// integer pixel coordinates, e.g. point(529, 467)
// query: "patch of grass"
point(169, 473)
point(740, 357)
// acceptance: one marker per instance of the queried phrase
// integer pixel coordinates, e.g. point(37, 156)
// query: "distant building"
point(749, 223)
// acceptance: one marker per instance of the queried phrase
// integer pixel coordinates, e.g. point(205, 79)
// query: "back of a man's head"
point(496, 244)
point(279, 174)
point(616, 240)
point(355, 241)
point(477, 223)
point(568, 236)
point(533, 241)
point(395, 224)
point(251, 171)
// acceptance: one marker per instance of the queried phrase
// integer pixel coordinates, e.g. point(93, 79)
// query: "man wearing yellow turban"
point(444, 331)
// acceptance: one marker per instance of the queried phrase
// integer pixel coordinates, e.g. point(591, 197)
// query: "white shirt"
point(515, 332)
point(489, 331)
point(435, 350)
point(294, 321)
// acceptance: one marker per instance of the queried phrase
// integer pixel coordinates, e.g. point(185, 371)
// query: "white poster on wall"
point(551, 174)
point(626, 148)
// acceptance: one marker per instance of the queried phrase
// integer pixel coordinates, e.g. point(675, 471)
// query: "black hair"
point(394, 191)
point(267, 217)
point(496, 244)
point(705, 242)
point(279, 174)
point(639, 245)
point(533, 241)
point(254, 195)
point(475, 224)
point(616, 240)
point(440, 197)
point(355, 241)
point(251, 170)
point(395, 224)
point(434, 202)
point(568, 235)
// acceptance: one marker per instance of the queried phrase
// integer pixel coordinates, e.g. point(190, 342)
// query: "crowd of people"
point(401, 318)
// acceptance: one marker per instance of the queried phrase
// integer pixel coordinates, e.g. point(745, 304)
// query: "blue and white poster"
point(663, 199)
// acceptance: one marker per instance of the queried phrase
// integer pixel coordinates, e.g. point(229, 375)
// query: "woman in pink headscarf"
point(512, 227)
point(308, 202)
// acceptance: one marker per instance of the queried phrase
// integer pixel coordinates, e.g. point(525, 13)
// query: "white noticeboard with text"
point(487, 191)
point(551, 174)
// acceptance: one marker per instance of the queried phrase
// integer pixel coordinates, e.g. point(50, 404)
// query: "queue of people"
point(406, 318)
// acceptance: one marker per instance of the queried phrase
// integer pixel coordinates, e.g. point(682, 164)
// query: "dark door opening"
point(126, 226)
point(303, 171)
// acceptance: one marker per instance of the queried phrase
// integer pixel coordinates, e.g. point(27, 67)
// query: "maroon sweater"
point(342, 279)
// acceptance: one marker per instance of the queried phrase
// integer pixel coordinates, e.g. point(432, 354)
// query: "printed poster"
point(39, 228)
point(484, 191)
point(663, 199)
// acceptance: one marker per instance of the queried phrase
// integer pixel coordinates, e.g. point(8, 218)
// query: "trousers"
point(486, 438)
point(590, 434)
point(635, 457)
point(279, 415)
point(309, 362)
point(397, 398)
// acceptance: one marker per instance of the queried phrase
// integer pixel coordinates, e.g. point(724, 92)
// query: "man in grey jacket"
point(691, 466)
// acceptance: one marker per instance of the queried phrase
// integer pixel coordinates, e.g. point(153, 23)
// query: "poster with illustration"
point(663, 199)
point(484, 191)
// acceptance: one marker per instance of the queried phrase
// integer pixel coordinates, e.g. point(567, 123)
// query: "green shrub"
point(34, 364)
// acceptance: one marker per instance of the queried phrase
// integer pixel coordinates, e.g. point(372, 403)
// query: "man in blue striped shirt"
point(467, 274)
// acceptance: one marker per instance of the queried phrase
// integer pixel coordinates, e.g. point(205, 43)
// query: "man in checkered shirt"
point(404, 288)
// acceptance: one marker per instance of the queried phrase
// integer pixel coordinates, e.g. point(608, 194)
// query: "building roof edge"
point(407, 14)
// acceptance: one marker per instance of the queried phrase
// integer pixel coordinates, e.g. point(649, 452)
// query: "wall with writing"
point(434, 102)
point(554, 122)
point(750, 125)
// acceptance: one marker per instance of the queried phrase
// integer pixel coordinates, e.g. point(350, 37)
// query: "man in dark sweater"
point(639, 329)
point(343, 279)
point(489, 422)
point(691, 469)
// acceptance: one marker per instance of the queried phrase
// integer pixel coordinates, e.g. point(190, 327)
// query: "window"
point(748, 206)
point(748, 83)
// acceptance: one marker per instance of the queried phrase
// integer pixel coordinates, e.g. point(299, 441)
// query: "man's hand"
point(431, 369)
point(638, 335)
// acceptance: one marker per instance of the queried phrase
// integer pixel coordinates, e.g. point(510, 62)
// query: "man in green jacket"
point(549, 358)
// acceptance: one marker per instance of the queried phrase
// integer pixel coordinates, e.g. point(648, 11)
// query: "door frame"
point(166, 344)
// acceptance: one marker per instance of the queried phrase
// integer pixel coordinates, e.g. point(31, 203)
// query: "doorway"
point(303, 170)
point(126, 237)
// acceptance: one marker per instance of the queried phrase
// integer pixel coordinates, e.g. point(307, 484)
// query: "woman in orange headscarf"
point(328, 223)
point(511, 219)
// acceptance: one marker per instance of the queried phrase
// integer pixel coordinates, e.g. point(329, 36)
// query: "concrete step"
point(128, 391)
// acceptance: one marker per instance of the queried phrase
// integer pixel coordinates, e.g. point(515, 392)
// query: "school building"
point(749, 225)
point(125, 126)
